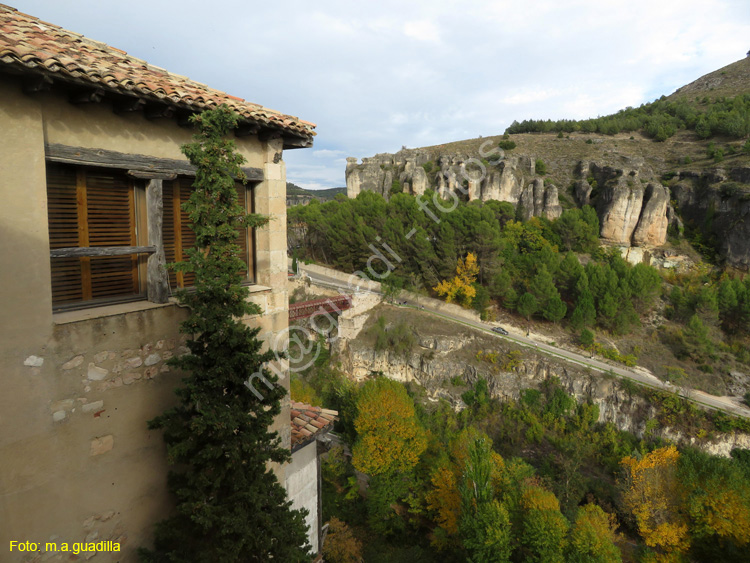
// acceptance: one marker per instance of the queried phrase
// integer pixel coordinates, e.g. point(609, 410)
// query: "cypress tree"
point(229, 505)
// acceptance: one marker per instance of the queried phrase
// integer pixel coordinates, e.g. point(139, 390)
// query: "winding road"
point(642, 377)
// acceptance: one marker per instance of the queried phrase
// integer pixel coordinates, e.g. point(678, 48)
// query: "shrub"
point(590, 142)
point(587, 338)
point(539, 167)
point(507, 145)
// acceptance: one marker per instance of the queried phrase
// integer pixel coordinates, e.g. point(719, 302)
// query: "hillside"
point(677, 167)
point(296, 195)
point(732, 80)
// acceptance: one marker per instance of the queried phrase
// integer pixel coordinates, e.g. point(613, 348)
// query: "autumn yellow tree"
point(389, 436)
point(592, 539)
point(461, 287)
point(341, 546)
point(717, 505)
point(654, 496)
point(444, 501)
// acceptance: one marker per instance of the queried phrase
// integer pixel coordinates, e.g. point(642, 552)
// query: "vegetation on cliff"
point(534, 480)
point(536, 269)
point(659, 120)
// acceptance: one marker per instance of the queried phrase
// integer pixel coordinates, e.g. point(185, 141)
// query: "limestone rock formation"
point(439, 360)
point(719, 208)
point(582, 192)
point(653, 222)
point(538, 200)
point(619, 210)
point(634, 209)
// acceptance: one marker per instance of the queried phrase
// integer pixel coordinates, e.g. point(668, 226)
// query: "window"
point(96, 211)
point(91, 207)
point(178, 236)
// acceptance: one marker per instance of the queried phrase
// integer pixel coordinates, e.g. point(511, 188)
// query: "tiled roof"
point(308, 421)
point(29, 43)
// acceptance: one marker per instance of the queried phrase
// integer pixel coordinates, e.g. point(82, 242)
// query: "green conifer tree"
point(229, 505)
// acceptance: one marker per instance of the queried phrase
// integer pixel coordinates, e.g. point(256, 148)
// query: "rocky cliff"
point(716, 202)
point(632, 205)
point(511, 179)
point(438, 360)
point(636, 206)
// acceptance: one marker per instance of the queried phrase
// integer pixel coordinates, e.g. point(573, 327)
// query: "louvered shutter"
point(111, 222)
point(91, 208)
point(178, 236)
point(169, 238)
point(62, 210)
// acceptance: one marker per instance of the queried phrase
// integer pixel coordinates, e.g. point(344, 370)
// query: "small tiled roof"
point(308, 421)
point(29, 43)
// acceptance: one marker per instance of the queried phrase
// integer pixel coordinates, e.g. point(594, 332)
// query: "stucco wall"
point(76, 458)
point(302, 486)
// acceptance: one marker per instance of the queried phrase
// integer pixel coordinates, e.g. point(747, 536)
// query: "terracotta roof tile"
point(28, 43)
point(308, 421)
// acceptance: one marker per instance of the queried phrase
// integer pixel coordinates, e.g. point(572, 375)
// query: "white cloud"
point(422, 30)
point(376, 76)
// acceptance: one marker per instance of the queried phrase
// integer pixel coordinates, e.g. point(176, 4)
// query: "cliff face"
point(717, 202)
point(630, 212)
point(634, 206)
point(437, 360)
point(632, 209)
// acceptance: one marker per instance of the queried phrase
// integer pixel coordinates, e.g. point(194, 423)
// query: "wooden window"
point(178, 235)
point(91, 207)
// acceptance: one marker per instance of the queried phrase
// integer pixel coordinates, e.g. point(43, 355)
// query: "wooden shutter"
point(111, 222)
point(178, 235)
point(187, 235)
point(88, 207)
point(168, 228)
point(62, 210)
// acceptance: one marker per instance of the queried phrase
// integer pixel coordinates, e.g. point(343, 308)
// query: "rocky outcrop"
point(538, 200)
point(653, 221)
point(718, 205)
point(437, 361)
point(632, 210)
point(455, 175)
point(619, 209)
point(582, 192)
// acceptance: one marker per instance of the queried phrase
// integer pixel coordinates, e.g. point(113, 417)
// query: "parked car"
point(500, 330)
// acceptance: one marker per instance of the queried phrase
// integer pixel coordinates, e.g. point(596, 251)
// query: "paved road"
point(699, 397)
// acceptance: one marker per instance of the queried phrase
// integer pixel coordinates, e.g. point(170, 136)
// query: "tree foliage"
point(659, 120)
point(390, 438)
point(341, 546)
point(592, 538)
point(229, 505)
point(461, 287)
point(653, 496)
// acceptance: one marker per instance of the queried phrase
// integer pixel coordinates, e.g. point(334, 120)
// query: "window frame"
point(175, 248)
point(85, 251)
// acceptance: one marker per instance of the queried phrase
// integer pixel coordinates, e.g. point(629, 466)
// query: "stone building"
point(92, 178)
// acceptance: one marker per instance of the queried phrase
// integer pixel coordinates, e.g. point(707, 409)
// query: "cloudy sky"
point(378, 75)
